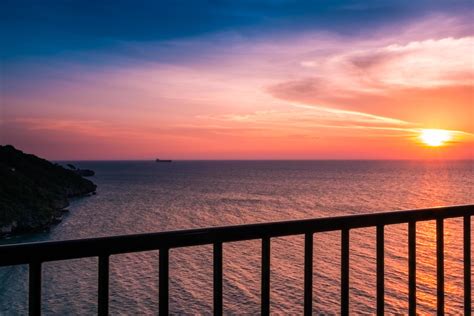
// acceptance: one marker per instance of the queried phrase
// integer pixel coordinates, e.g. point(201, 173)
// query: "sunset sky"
point(237, 79)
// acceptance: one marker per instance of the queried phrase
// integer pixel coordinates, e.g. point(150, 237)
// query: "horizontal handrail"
point(25, 253)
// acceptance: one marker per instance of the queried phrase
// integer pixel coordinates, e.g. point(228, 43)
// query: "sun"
point(435, 137)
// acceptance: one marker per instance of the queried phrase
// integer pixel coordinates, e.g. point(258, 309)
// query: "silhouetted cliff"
point(33, 191)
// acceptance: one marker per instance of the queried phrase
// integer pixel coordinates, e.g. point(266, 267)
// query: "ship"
point(163, 160)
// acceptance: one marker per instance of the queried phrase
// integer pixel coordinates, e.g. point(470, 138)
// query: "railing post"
point(308, 274)
point(412, 268)
point(345, 272)
point(467, 266)
point(164, 281)
point(103, 299)
point(380, 270)
point(265, 308)
point(440, 266)
point(217, 278)
point(34, 297)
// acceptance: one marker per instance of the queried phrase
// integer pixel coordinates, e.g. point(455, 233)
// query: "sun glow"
point(435, 137)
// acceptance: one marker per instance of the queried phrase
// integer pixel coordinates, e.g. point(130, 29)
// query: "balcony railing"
point(34, 254)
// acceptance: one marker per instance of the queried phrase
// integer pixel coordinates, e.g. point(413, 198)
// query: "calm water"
point(137, 197)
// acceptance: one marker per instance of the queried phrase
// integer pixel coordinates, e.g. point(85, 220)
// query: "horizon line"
point(270, 159)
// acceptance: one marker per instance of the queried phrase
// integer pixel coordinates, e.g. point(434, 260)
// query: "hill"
point(33, 191)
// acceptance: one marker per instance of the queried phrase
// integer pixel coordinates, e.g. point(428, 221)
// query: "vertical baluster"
point(440, 265)
point(412, 268)
point(380, 270)
point(467, 266)
point(345, 272)
point(164, 281)
point(308, 273)
point(34, 298)
point(265, 276)
point(218, 278)
point(103, 285)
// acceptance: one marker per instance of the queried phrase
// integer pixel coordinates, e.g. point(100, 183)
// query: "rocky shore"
point(34, 192)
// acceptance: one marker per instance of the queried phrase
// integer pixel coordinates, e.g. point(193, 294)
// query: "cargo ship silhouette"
point(165, 160)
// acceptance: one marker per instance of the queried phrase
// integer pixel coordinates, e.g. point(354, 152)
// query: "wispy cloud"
point(424, 64)
point(301, 118)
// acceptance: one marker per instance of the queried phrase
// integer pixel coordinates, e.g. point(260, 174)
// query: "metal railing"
point(34, 254)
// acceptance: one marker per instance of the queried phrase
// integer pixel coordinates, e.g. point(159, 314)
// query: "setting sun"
point(435, 137)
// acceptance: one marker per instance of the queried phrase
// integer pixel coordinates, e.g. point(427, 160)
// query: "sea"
point(145, 196)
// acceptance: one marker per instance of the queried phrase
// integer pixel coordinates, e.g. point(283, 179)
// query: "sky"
point(282, 79)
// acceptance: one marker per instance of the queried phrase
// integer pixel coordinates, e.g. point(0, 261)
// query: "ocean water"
point(138, 197)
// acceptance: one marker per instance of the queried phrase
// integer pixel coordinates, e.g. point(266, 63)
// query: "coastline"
point(35, 193)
